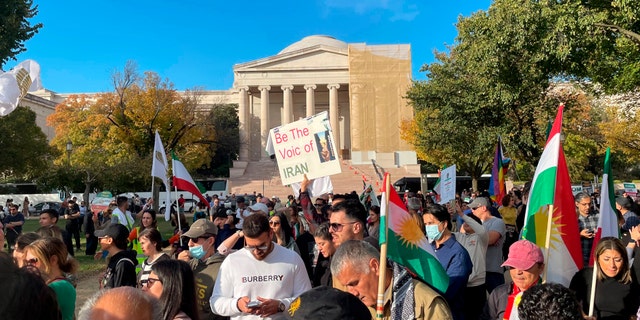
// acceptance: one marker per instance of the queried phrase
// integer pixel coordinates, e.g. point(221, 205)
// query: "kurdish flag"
point(608, 221)
point(497, 188)
point(182, 179)
point(406, 244)
point(551, 188)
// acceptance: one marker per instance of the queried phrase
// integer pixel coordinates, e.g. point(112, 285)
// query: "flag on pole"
point(368, 195)
point(14, 85)
point(437, 188)
point(497, 187)
point(183, 181)
point(406, 243)
point(160, 169)
point(608, 221)
point(551, 186)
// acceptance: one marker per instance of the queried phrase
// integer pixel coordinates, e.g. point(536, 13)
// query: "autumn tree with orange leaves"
point(113, 133)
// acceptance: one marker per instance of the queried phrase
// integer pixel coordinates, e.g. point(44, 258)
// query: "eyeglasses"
point(259, 248)
point(274, 223)
point(318, 204)
point(32, 261)
point(198, 239)
point(337, 227)
point(152, 281)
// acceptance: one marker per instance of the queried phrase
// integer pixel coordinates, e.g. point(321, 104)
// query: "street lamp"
point(69, 148)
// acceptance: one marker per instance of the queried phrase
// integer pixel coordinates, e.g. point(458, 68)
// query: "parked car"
point(36, 209)
point(189, 206)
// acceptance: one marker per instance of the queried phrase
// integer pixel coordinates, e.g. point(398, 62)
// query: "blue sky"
point(195, 43)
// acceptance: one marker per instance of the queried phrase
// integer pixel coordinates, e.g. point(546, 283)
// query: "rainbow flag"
point(552, 187)
point(497, 187)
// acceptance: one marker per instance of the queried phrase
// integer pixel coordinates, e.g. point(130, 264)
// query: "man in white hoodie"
point(121, 214)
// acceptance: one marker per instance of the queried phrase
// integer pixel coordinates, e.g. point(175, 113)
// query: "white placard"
point(448, 184)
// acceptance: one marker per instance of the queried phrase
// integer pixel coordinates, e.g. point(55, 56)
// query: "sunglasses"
point(32, 261)
point(274, 223)
point(259, 248)
point(195, 240)
point(337, 227)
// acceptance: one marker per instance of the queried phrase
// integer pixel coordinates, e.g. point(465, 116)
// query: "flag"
point(437, 188)
point(182, 179)
point(608, 221)
point(160, 169)
point(369, 193)
point(497, 188)
point(406, 243)
point(551, 186)
point(14, 85)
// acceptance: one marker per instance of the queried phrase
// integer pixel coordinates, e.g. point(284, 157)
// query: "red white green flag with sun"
point(551, 186)
point(406, 243)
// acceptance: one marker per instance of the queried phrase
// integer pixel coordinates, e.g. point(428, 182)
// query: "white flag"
point(14, 85)
point(159, 169)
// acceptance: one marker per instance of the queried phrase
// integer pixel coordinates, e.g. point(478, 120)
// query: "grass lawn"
point(87, 263)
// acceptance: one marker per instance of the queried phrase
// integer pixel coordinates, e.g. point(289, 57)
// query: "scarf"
point(403, 305)
point(511, 311)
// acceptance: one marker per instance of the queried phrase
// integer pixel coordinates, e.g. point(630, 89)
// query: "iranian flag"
point(608, 221)
point(406, 244)
point(182, 179)
point(551, 188)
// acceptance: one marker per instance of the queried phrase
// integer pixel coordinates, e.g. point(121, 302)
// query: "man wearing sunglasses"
point(260, 281)
point(204, 262)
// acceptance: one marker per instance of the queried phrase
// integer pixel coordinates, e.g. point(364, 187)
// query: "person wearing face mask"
point(452, 256)
point(204, 261)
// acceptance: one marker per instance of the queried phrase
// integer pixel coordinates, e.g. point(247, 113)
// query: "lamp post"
point(69, 149)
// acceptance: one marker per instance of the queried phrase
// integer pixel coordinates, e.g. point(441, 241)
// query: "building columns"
point(287, 97)
point(243, 117)
point(333, 113)
point(264, 117)
point(311, 100)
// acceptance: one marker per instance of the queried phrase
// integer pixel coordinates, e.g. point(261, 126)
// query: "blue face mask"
point(196, 251)
point(433, 233)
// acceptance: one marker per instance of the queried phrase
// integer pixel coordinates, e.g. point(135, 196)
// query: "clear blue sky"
point(195, 43)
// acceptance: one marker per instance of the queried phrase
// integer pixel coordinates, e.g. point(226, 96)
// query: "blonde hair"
point(46, 248)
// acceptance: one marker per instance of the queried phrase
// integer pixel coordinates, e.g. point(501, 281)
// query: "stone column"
point(264, 118)
point(311, 99)
point(287, 102)
point(333, 114)
point(243, 116)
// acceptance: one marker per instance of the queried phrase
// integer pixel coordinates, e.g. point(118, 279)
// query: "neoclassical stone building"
point(361, 86)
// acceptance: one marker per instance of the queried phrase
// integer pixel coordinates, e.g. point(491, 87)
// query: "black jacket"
point(121, 270)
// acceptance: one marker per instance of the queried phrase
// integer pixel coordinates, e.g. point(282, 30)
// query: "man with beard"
point(260, 281)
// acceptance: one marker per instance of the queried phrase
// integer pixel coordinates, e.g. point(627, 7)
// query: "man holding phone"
point(261, 281)
point(587, 222)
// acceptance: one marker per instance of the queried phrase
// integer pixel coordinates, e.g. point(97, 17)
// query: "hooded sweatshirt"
point(121, 270)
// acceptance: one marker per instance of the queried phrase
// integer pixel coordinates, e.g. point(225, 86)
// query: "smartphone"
point(253, 304)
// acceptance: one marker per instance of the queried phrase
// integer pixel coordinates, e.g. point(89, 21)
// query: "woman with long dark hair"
point(282, 233)
point(173, 284)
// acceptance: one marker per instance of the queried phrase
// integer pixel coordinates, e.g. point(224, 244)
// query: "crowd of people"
point(314, 257)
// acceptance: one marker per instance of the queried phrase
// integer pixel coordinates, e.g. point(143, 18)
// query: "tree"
point(223, 121)
point(15, 27)
point(24, 145)
point(113, 133)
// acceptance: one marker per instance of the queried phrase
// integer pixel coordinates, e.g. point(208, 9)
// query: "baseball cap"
point(523, 254)
point(479, 202)
point(221, 213)
point(200, 228)
point(240, 200)
point(259, 207)
point(114, 230)
point(326, 303)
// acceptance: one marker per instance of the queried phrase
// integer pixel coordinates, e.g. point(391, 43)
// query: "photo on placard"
point(325, 149)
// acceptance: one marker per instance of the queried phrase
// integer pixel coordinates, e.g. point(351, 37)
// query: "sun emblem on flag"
point(409, 232)
point(541, 219)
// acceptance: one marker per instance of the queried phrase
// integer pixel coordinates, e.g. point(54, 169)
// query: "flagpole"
point(170, 204)
point(547, 242)
point(383, 254)
point(592, 296)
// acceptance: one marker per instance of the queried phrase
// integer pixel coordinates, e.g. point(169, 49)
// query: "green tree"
point(24, 146)
point(223, 121)
point(15, 27)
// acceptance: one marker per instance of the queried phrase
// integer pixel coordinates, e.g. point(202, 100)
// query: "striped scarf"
point(403, 305)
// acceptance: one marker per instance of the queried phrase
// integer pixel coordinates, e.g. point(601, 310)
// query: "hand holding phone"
point(253, 304)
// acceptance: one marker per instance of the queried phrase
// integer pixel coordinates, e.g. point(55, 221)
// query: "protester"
point(496, 230)
point(452, 256)
point(617, 293)
point(121, 213)
point(204, 262)
point(587, 224)
point(549, 301)
point(282, 234)
point(72, 215)
point(326, 303)
point(121, 270)
point(508, 212)
point(13, 226)
point(147, 220)
point(151, 246)
point(89, 228)
point(356, 266)
point(119, 304)
point(22, 242)
point(50, 257)
point(526, 264)
point(348, 221)
point(263, 272)
point(373, 226)
point(326, 249)
point(29, 298)
point(172, 283)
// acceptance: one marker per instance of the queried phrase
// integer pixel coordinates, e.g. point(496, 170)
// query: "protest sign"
point(305, 147)
point(448, 184)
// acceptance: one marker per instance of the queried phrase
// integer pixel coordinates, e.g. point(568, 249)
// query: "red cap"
point(523, 254)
